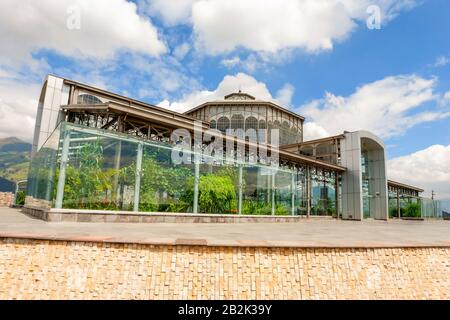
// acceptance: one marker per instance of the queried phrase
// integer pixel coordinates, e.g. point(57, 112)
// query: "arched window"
point(262, 124)
point(251, 128)
point(88, 99)
point(262, 132)
point(285, 138)
point(223, 124)
point(213, 124)
point(251, 123)
point(296, 134)
point(276, 125)
point(237, 121)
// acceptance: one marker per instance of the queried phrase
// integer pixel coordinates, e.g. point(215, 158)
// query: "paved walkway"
point(308, 233)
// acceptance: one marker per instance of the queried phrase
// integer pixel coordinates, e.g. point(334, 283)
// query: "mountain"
point(7, 186)
point(14, 158)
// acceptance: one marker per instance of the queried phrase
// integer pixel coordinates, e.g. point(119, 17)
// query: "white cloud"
point(447, 96)
point(159, 78)
point(272, 25)
point(231, 62)
point(441, 61)
point(387, 107)
point(254, 62)
point(172, 12)
point(229, 84)
point(313, 25)
point(106, 26)
point(18, 105)
point(181, 50)
point(285, 94)
point(312, 130)
point(428, 168)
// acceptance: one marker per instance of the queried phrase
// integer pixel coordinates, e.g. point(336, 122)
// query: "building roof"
point(305, 143)
point(404, 186)
point(244, 99)
point(239, 96)
point(174, 121)
point(130, 101)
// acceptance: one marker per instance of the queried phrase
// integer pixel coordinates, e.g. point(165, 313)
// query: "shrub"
point(88, 185)
point(216, 194)
point(412, 210)
point(260, 208)
point(20, 198)
point(256, 208)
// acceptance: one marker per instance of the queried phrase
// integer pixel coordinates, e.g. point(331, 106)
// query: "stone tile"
point(99, 269)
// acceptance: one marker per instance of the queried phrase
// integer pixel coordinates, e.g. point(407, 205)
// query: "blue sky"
point(319, 60)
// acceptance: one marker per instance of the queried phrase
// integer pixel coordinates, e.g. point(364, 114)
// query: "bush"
point(281, 210)
point(260, 208)
point(87, 185)
point(256, 208)
point(393, 212)
point(216, 194)
point(412, 210)
point(157, 179)
point(20, 198)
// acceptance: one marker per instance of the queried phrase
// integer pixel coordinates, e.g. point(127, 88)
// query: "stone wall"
point(6, 199)
point(41, 269)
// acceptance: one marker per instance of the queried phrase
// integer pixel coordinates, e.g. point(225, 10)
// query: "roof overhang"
point(404, 186)
point(143, 113)
point(124, 100)
point(290, 156)
point(310, 142)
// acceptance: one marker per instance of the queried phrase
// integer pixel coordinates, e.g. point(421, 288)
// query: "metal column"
point(273, 193)
point(137, 185)
point(337, 193)
point(62, 171)
point(293, 193)
point(308, 192)
point(196, 180)
point(240, 190)
point(117, 159)
point(198, 155)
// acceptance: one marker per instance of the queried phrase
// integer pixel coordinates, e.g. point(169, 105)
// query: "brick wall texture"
point(40, 269)
point(6, 199)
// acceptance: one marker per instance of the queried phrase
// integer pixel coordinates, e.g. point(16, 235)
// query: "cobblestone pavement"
point(308, 233)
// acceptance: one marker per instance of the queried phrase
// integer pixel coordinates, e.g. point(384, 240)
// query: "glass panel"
point(218, 189)
point(98, 173)
point(165, 187)
point(102, 168)
point(366, 192)
point(323, 193)
point(41, 178)
point(256, 191)
point(283, 199)
point(301, 196)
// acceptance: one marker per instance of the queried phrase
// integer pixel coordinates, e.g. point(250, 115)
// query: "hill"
point(7, 186)
point(14, 158)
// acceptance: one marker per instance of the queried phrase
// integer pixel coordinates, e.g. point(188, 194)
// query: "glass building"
point(95, 150)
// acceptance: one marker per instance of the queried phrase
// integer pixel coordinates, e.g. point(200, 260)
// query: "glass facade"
point(87, 168)
point(404, 203)
point(256, 121)
point(323, 193)
point(366, 192)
